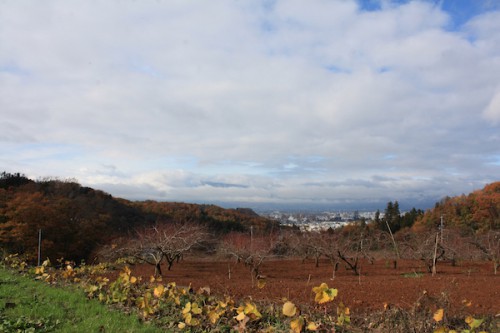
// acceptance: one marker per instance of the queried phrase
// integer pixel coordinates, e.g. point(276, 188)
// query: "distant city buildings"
point(319, 221)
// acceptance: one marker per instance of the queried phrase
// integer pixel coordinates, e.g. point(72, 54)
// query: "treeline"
point(476, 212)
point(393, 220)
point(76, 220)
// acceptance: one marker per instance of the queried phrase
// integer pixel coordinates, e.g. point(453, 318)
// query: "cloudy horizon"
point(338, 102)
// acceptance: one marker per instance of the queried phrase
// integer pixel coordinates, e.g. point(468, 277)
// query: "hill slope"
point(476, 212)
point(75, 220)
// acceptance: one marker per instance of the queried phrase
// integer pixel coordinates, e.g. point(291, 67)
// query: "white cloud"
point(492, 111)
point(218, 100)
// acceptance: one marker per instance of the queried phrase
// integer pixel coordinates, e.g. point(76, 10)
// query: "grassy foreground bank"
point(31, 306)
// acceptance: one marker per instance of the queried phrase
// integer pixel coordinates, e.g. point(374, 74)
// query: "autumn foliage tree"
point(476, 212)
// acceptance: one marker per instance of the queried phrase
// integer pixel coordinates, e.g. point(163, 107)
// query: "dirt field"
point(378, 283)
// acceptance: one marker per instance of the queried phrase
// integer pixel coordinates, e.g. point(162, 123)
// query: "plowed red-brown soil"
point(378, 283)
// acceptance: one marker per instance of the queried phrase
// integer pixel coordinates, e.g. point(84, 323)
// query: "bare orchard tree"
point(425, 246)
point(249, 249)
point(163, 241)
point(309, 245)
point(489, 244)
point(347, 247)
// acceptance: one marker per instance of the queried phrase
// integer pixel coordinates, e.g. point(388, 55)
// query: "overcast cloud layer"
point(253, 101)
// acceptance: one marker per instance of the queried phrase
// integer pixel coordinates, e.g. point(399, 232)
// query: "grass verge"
point(31, 306)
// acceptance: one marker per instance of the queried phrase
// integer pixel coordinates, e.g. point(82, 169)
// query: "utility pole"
point(39, 246)
point(441, 227)
point(251, 238)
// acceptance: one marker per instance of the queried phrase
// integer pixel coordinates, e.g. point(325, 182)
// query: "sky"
point(277, 102)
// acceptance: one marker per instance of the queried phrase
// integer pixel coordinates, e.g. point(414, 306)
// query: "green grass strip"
point(33, 306)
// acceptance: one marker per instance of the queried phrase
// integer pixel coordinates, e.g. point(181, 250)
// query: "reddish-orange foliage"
point(477, 212)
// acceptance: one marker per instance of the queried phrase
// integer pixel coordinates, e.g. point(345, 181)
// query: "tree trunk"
point(158, 269)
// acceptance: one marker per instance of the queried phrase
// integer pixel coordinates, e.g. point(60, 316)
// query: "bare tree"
point(424, 246)
point(489, 244)
point(309, 245)
point(163, 241)
point(249, 249)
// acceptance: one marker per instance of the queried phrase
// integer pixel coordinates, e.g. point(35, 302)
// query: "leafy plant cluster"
point(27, 325)
point(182, 309)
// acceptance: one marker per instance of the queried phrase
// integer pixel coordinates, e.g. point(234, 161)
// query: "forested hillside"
point(476, 212)
point(75, 220)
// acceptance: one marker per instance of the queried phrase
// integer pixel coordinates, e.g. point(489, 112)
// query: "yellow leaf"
point(322, 287)
point(181, 325)
point(213, 316)
point(187, 318)
point(251, 310)
point(195, 309)
point(438, 315)
point(296, 325)
point(441, 329)
point(261, 283)
point(240, 316)
point(159, 290)
point(324, 294)
point(187, 308)
point(473, 322)
point(133, 279)
point(289, 309)
point(311, 326)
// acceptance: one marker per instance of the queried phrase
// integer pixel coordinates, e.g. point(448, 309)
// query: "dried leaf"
point(324, 294)
point(296, 325)
point(195, 309)
point(438, 315)
point(159, 290)
point(289, 309)
point(311, 326)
